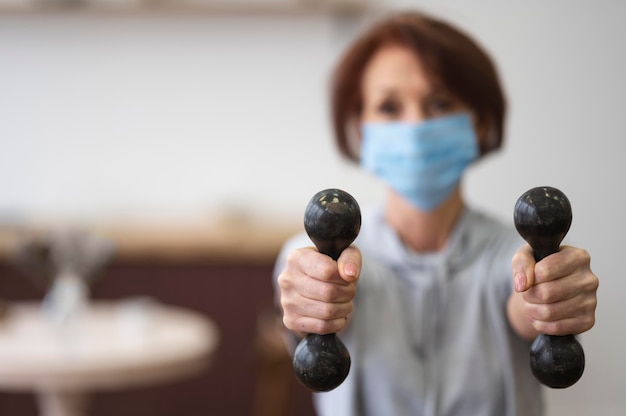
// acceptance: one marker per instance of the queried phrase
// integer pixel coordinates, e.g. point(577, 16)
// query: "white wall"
point(165, 116)
point(176, 117)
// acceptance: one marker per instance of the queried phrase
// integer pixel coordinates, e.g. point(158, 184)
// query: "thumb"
point(349, 264)
point(523, 266)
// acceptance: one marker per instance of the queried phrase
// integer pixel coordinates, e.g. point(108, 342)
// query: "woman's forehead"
point(395, 68)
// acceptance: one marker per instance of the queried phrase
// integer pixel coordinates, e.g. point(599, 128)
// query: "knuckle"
point(349, 309)
point(287, 306)
point(329, 292)
point(327, 311)
point(558, 328)
point(351, 291)
point(543, 293)
point(544, 269)
point(553, 328)
point(327, 269)
point(321, 327)
point(589, 306)
point(544, 313)
point(584, 255)
point(284, 281)
point(586, 323)
point(289, 322)
point(293, 257)
point(593, 283)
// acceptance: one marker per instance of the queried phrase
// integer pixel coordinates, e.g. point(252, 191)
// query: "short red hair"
point(447, 54)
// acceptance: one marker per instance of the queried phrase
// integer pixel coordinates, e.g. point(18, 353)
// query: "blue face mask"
point(421, 161)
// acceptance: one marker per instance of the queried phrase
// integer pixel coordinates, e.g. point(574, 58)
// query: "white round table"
point(109, 346)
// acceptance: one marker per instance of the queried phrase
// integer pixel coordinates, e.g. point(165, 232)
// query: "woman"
point(447, 302)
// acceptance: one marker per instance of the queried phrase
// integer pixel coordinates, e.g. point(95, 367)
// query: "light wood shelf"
point(224, 242)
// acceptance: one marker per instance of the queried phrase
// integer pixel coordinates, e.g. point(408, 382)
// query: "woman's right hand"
point(316, 292)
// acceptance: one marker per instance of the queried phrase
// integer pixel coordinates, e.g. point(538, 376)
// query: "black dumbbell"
point(332, 220)
point(543, 216)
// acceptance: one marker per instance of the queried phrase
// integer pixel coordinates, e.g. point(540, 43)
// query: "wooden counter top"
point(227, 240)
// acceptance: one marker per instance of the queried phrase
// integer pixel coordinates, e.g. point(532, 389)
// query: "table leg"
point(55, 403)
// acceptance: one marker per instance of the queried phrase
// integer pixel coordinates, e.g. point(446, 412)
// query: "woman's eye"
point(439, 106)
point(389, 108)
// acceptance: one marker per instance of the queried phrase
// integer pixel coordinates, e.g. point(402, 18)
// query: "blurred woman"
point(447, 302)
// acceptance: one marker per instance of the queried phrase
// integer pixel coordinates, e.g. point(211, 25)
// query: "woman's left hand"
point(558, 293)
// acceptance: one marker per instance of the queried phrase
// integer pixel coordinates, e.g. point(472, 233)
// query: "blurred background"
point(193, 133)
